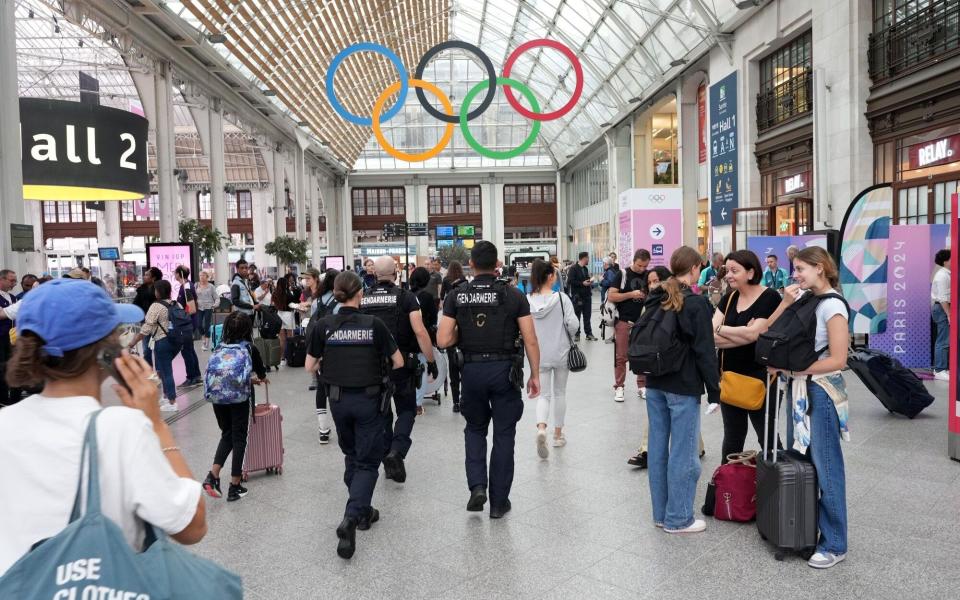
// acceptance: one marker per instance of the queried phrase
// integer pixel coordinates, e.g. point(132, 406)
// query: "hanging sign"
point(723, 150)
point(654, 219)
point(74, 151)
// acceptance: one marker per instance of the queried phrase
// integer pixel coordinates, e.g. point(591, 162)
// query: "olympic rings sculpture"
point(451, 118)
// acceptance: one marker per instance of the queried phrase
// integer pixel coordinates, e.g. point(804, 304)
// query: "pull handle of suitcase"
point(772, 451)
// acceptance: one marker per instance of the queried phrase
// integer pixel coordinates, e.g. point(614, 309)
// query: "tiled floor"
point(581, 524)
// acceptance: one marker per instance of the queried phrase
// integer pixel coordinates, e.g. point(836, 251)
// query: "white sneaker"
point(167, 407)
point(618, 394)
point(825, 560)
point(542, 450)
point(941, 375)
point(642, 393)
point(205, 346)
point(560, 442)
point(608, 341)
point(283, 362)
point(696, 527)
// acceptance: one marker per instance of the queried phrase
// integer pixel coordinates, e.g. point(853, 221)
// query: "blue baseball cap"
point(72, 313)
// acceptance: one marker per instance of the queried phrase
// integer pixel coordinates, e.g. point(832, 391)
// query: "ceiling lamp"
point(217, 38)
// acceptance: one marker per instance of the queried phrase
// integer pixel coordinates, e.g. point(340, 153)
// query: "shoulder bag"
point(576, 359)
point(737, 389)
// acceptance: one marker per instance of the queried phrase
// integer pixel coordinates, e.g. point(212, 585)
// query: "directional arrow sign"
point(657, 231)
point(723, 213)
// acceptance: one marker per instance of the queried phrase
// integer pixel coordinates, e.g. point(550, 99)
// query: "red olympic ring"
point(577, 69)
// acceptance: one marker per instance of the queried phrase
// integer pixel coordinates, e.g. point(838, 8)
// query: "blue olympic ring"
point(369, 47)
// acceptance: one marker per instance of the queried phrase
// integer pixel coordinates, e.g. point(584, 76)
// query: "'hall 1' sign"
point(74, 151)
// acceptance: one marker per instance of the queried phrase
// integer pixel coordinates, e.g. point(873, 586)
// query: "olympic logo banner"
point(448, 116)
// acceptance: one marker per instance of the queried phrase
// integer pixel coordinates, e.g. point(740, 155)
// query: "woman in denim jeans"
point(207, 300)
point(817, 431)
point(673, 399)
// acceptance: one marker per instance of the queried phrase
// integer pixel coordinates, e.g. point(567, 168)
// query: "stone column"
point(218, 208)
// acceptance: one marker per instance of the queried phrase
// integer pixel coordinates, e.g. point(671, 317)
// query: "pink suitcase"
point(264, 439)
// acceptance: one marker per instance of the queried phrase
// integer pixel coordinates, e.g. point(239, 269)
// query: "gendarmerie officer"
point(355, 353)
point(400, 312)
point(489, 317)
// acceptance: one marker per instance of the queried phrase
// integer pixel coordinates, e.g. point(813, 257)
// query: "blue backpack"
point(181, 324)
point(227, 380)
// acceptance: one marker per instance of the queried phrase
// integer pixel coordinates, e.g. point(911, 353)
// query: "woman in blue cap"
point(143, 475)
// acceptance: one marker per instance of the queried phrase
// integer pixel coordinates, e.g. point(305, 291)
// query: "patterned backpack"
point(227, 379)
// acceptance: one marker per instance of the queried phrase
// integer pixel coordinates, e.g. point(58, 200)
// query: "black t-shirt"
point(428, 308)
point(382, 340)
point(742, 358)
point(629, 310)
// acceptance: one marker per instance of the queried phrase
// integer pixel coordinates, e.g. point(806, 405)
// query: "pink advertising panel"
point(168, 257)
point(656, 222)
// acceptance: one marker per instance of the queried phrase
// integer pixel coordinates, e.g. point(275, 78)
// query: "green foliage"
point(288, 250)
point(454, 252)
point(205, 240)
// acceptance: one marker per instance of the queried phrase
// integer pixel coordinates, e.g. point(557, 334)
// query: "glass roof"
point(627, 49)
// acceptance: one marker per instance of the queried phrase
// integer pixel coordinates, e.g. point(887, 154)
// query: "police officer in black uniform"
point(399, 310)
point(355, 354)
point(487, 318)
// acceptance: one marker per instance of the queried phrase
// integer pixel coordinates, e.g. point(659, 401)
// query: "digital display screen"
point(467, 244)
point(333, 262)
point(445, 231)
point(109, 253)
point(444, 243)
point(466, 230)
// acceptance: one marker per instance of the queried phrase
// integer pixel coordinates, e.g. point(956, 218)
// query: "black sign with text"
point(84, 152)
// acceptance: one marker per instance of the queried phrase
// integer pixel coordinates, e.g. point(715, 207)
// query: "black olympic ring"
point(487, 64)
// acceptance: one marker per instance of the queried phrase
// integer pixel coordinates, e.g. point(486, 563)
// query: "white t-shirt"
point(940, 288)
point(826, 310)
point(40, 443)
point(12, 310)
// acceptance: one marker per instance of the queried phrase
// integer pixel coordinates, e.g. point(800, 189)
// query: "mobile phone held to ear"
point(106, 359)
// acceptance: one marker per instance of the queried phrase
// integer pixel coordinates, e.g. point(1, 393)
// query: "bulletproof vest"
point(383, 302)
point(350, 358)
point(482, 317)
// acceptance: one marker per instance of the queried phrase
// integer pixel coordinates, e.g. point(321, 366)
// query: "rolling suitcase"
point(296, 351)
point(216, 329)
point(787, 496)
point(896, 387)
point(264, 439)
point(269, 351)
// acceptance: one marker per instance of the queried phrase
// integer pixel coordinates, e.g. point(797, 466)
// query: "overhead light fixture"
point(269, 92)
point(607, 124)
point(745, 4)
point(30, 13)
point(217, 38)
point(570, 155)
point(584, 143)
point(678, 62)
point(635, 99)
point(303, 124)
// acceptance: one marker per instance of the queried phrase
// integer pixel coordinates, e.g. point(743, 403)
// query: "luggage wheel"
point(779, 556)
point(245, 477)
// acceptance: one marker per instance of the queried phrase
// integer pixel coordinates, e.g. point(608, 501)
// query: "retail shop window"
point(927, 172)
point(910, 34)
point(792, 217)
point(378, 201)
point(453, 200)
point(786, 83)
point(663, 138)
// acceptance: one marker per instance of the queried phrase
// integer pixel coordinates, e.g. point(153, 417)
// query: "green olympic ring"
point(465, 127)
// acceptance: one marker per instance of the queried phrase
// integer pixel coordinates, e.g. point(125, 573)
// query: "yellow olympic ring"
point(422, 156)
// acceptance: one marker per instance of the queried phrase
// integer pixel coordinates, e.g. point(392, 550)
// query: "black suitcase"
point(787, 497)
point(296, 351)
point(895, 386)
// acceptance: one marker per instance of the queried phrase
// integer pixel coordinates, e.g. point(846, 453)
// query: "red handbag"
point(736, 488)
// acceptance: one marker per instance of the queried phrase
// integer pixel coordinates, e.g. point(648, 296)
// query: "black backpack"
point(655, 346)
point(181, 324)
point(270, 323)
point(789, 343)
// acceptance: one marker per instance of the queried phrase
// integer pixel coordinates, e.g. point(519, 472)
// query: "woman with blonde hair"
point(673, 395)
point(818, 422)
